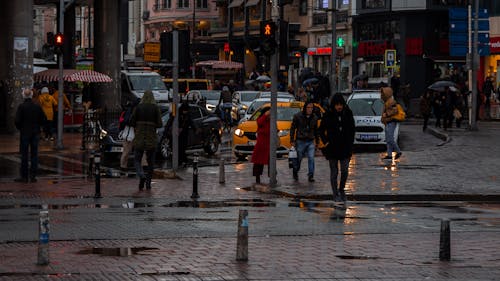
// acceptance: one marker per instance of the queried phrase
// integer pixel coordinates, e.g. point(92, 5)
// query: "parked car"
point(243, 99)
point(135, 81)
point(206, 133)
point(245, 135)
point(367, 108)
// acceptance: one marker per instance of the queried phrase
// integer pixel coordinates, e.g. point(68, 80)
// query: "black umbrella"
point(439, 86)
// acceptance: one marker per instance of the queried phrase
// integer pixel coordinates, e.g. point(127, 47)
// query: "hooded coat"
point(337, 130)
point(47, 102)
point(390, 104)
point(145, 119)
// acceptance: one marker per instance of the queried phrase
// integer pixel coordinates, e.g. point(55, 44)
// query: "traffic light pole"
point(60, 96)
point(274, 92)
point(475, 65)
point(333, 63)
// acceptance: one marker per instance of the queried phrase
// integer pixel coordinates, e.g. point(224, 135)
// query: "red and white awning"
point(72, 75)
point(221, 64)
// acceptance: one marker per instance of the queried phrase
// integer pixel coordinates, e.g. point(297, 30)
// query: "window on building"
point(166, 4)
point(385, 30)
point(182, 4)
point(373, 4)
point(320, 18)
point(202, 4)
point(343, 4)
point(321, 4)
point(303, 7)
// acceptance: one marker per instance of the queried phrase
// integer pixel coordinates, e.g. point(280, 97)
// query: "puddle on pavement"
point(138, 205)
point(115, 252)
point(350, 257)
point(455, 208)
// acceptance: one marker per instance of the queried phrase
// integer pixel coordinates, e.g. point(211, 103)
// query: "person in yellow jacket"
point(47, 102)
point(66, 107)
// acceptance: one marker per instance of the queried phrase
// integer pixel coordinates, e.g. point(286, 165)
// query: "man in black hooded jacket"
point(337, 133)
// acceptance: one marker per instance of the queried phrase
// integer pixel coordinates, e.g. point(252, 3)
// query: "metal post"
point(60, 97)
point(91, 164)
point(444, 241)
point(222, 174)
point(193, 70)
point(195, 178)
point(274, 89)
point(475, 66)
point(242, 239)
point(175, 102)
point(43, 238)
point(333, 63)
point(97, 161)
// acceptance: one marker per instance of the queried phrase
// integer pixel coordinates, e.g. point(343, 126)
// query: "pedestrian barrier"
point(97, 164)
point(195, 195)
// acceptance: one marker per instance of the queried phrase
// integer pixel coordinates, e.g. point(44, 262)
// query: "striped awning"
point(72, 75)
point(221, 64)
point(235, 3)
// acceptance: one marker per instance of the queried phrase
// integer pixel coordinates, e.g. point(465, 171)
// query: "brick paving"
point(375, 241)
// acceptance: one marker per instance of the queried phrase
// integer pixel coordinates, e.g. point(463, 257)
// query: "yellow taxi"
point(245, 135)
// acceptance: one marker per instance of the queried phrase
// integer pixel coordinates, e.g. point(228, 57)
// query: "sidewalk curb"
point(440, 135)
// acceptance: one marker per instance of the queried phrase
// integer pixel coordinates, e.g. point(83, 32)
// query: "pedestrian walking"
point(426, 107)
point(127, 135)
point(29, 120)
point(390, 109)
point(145, 119)
point(303, 135)
point(185, 123)
point(47, 102)
point(337, 133)
point(260, 154)
point(436, 108)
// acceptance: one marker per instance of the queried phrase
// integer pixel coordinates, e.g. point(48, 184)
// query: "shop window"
point(378, 30)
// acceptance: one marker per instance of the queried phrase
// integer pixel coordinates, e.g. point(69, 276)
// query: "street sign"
point(390, 58)
point(152, 52)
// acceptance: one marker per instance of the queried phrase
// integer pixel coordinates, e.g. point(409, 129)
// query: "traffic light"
point(59, 39)
point(340, 42)
point(268, 36)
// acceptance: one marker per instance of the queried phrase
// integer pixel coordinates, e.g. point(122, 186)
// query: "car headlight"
point(102, 134)
point(239, 132)
point(282, 133)
point(244, 107)
point(210, 107)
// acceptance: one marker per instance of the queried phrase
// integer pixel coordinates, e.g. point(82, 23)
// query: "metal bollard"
point(43, 238)
point(242, 240)
point(91, 164)
point(444, 241)
point(222, 174)
point(97, 161)
point(195, 178)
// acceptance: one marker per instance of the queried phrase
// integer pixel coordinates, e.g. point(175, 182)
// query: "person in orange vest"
point(47, 102)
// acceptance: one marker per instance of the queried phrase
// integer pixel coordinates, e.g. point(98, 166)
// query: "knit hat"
point(45, 90)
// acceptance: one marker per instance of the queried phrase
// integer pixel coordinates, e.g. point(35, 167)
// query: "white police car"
point(367, 108)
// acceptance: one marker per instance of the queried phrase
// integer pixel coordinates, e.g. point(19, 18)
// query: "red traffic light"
point(59, 39)
point(267, 29)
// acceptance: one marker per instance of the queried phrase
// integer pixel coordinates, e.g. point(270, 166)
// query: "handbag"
point(127, 134)
point(457, 114)
point(400, 115)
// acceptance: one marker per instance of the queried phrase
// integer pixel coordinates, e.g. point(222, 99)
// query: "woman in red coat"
point(260, 155)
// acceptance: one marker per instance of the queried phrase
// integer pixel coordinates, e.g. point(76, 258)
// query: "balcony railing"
point(319, 19)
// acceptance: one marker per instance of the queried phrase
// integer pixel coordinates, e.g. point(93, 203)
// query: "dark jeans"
point(150, 158)
point(29, 145)
point(334, 172)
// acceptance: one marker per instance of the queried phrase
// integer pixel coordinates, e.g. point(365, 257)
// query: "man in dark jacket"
point(145, 119)
point(303, 134)
point(29, 120)
point(337, 133)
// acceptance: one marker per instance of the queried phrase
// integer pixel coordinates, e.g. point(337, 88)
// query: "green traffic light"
point(340, 42)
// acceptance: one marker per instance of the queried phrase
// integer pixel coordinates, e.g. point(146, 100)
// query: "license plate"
point(368, 137)
point(251, 143)
point(116, 149)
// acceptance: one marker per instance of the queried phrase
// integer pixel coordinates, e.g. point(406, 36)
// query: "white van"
point(136, 81)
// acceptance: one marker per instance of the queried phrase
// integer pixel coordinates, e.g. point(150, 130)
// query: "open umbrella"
point(439, 86)
point(263, 78)
point(72, 75)
point(310, 81)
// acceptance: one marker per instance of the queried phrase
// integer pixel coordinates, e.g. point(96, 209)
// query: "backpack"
point(125, 118)
point(401, 115)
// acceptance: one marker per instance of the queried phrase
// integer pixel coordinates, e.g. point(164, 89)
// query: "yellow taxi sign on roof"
point(296, 104)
